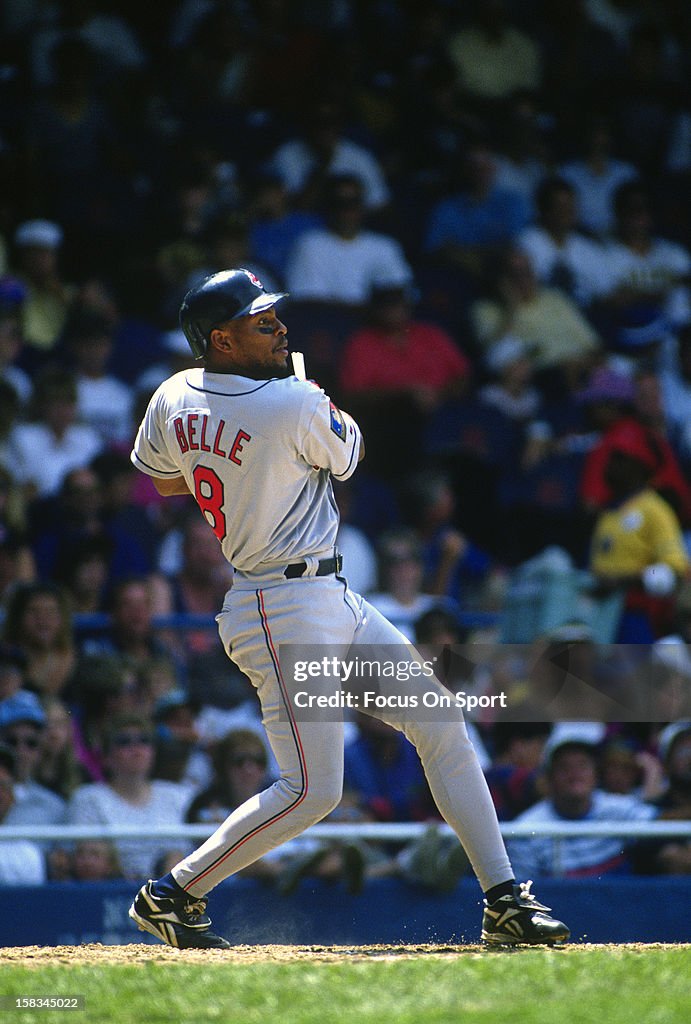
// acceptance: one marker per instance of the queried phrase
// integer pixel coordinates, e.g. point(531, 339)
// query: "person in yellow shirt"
point(637, 543)
point(48, 298)
point(545, 319)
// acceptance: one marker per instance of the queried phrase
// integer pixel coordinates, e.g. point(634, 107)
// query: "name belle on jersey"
point(193, 433)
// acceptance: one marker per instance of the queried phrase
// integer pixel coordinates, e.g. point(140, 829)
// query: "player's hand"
point(653, 784)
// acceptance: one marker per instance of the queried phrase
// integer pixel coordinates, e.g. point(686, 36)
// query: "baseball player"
point(257, 448)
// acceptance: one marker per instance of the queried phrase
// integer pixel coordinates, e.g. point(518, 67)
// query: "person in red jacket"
point(667, 478)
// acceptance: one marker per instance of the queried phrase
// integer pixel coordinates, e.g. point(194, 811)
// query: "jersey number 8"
point(209, 495)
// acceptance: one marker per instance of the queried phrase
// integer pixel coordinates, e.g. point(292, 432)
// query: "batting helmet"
point(227, 295)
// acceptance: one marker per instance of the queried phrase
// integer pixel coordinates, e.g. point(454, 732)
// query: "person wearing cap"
point(570, 766)
point(22, 725)
point(48, 298)
point(637, 545)
point(21, 862)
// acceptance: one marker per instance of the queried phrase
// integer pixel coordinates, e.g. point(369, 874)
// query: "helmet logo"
point(255, 280)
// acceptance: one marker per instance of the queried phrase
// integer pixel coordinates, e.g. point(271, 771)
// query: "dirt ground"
point(40, 956)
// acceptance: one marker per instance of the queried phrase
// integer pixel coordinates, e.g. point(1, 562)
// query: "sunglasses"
point(243, 759)
point(127, 739)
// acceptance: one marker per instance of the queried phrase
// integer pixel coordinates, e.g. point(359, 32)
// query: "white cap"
point(587, 734)
point(43, 233)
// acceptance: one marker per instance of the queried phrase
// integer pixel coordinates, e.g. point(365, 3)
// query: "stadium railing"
point(386, 832)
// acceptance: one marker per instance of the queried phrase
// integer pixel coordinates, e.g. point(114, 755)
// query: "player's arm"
point(328, 438)
point(171, 485)
point(362, 441)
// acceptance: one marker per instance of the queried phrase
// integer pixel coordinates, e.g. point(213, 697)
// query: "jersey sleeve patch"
point(338, 424)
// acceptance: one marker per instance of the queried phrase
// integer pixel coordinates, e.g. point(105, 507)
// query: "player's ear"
point(221, 339)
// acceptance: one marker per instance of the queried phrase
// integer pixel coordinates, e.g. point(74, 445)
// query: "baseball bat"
point(299, 365)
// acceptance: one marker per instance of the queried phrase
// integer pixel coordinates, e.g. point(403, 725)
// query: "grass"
point(575, 986)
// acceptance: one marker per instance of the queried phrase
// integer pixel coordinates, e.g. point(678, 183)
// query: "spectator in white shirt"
point(42, 452)
point(648, 275)
point(103, 401)
point(571, 770)
point(343, 261)
point(303, 163)
point(401, 598)
point(561, 255)
point(596, 178)
point(132, 797)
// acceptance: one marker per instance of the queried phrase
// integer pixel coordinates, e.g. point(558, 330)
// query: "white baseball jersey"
point(258, 456)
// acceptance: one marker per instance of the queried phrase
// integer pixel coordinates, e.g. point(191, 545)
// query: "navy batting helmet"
point(227, 295)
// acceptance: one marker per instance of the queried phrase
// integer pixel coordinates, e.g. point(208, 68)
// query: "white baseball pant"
point(256, 619)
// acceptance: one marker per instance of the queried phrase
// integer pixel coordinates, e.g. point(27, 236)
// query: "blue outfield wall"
point(388, 911)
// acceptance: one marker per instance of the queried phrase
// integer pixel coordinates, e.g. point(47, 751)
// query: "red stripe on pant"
point(298, 743)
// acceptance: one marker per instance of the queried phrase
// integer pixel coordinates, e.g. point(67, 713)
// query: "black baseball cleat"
point(182, 923)
point(520, 919)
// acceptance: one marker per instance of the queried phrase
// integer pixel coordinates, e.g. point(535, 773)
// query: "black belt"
point(325, 568)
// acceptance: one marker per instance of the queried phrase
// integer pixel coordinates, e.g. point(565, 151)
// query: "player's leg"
point(309, 754)
point(459, 789)
point(449, 760)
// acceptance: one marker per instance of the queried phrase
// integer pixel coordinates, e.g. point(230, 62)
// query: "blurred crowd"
point(482, 214)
